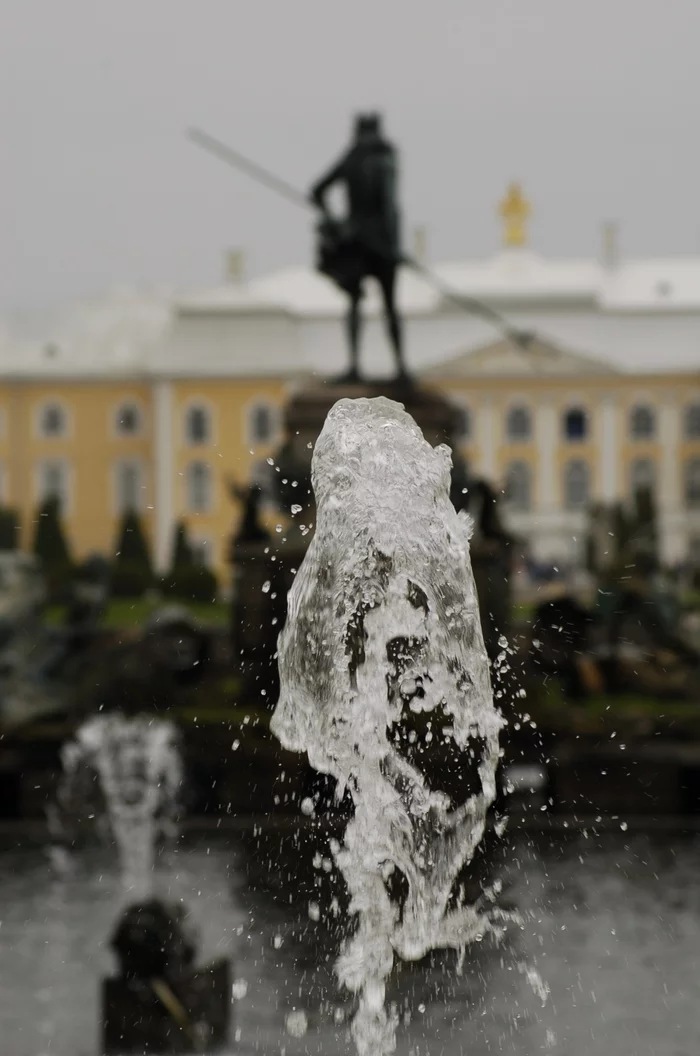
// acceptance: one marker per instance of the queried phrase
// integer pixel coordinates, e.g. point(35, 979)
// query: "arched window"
point(642, 422)
point(692, 421)
point(198, 487)
point(262, 423)
point(642, 475)
point(692, 483)
point(129, 486)
point(518, 486)
point(575, 424)
point(518, 424)
point(197, 424)
point(128, 419)
point(576, 484)
point(52, 420)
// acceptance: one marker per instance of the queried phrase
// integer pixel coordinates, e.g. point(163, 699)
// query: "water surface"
point(613, 928)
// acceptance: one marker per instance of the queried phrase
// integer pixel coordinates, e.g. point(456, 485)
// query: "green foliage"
point(182, 551)
point(186, 580)
point(9, 528)
point(190, 583)
point(51, 547)
point(132, 571)
point(130, 579)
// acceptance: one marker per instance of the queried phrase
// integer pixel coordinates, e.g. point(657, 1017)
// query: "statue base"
point(160, 1003)
point(264, 570)
point(185, 1014)
point(307, 410)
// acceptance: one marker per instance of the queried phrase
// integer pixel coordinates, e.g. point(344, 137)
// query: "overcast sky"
point(592, 104)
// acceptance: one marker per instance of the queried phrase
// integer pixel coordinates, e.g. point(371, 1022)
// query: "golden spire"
point(515, 210)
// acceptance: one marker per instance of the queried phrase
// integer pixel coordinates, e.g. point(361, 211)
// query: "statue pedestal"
point(145, 1017)
point(159, 1002)
point(264, 569)
point(306, 411)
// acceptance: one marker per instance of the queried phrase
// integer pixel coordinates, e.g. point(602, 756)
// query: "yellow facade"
point(91, 447)
point(231, 452)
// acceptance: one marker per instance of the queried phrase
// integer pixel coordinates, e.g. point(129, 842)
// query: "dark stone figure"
point(366, 242)
point(251, 528)
point(159, 1002)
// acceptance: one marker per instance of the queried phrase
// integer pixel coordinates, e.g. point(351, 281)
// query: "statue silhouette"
point(366, 242)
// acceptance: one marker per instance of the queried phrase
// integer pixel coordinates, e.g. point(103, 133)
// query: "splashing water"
point(383, 625)
point(138, 765)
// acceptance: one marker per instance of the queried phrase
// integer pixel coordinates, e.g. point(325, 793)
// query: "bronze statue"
point(366, 242)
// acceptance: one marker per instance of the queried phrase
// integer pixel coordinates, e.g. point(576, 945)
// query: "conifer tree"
point(9, 528)
point(132, 572)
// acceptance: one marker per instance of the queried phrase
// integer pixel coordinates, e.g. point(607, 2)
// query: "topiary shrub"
point(132, 570)
point(186, 580)
point(9, 528)
point(191, 583)
point(51, 547)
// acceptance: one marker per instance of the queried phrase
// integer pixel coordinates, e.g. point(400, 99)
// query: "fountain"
point(383, 654)
point(136, 762)
point(158, 1002)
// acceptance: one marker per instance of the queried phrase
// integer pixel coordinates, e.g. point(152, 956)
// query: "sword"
point(268, 179)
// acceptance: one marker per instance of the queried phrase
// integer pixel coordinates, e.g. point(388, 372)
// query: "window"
point(198, 487)
point(201, 552)
point(576, 484)
point(642, 475)
point(642, 423)
point(128, 419)
point(518, 424)
point(518, 486)
point(262, 423)
point(197, 425)
point(463, 424)
point(575, 424)
point(52, 420)
point(129, 486)
point(692, 421)
point(53, 482)
point(692, 483)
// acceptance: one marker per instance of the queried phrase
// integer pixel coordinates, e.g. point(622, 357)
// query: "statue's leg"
point(354, 326)
point(387, 281)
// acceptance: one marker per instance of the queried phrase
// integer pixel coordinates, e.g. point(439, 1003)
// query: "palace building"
point(157, 401)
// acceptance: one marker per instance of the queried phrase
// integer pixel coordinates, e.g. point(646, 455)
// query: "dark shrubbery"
point(51, 547)
point(187, 580)
point(9, 528)
point(132, 571)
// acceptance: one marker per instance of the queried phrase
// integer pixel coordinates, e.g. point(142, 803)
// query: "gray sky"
point(591, 103)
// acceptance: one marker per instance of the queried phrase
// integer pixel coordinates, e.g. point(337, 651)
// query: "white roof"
point(113, 333)
point(511, 276)
point(285, 321)
point(536, 357)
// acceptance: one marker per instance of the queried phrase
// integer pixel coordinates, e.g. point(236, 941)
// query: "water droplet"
point(296, 1022)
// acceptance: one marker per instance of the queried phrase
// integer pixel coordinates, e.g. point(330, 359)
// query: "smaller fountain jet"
point(158, 1002)
point(136, 761)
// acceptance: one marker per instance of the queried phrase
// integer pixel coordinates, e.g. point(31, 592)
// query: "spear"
point(282, 187)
